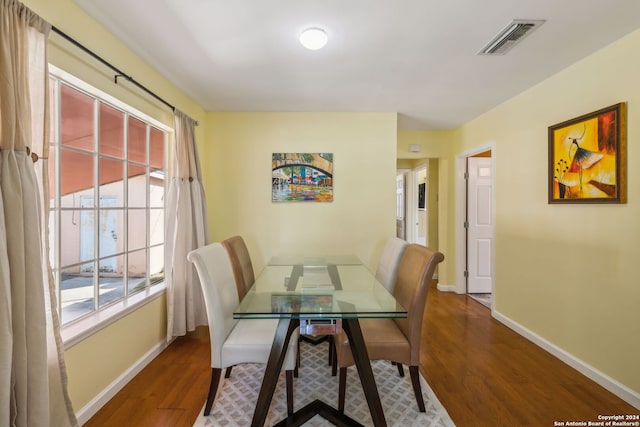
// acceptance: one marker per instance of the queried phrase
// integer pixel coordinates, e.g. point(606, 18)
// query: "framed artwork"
point(588, 157)
point(302, 177)
point(422, 190)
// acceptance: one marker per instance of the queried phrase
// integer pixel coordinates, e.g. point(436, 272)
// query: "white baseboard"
point(90, 409)
point(623, 392)
point(446, 288)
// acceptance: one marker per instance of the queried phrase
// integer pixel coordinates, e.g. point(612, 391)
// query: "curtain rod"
point(108, 64)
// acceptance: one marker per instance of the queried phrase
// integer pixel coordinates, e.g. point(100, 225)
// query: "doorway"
point(401, 211)
point(420, 212)
point(475, 224)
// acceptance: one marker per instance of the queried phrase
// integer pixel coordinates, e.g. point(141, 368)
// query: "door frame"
point(461, 216)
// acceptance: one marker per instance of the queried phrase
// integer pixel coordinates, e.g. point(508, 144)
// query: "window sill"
point(76, 332)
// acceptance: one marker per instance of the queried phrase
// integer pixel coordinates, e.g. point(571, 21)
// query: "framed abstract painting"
point(588, 157)
point(302, 177)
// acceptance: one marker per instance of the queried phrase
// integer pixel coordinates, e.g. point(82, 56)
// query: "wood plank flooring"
point(482, 372)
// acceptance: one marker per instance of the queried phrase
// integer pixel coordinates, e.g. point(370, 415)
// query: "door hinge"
point(466, 273)
point(466, 224)
point(466, 175)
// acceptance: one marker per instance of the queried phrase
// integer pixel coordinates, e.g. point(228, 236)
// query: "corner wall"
point(567, 273)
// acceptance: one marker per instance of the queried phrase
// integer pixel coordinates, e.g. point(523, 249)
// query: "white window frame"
point(78, 329)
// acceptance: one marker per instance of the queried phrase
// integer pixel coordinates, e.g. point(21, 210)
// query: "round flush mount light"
point(313, 38)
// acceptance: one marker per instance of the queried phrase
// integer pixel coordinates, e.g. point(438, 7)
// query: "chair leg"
point(289, 386)
point(342, 386)
point(213, 388)
point(415, 381)
point(298, 354)
point(331, 348)
point(400, 370)
point(334, 358)
point(227, 373)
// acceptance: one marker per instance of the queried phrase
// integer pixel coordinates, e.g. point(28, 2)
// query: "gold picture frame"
point(588, 156)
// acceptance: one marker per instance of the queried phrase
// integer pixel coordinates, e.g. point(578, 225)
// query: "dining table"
point(322, 295)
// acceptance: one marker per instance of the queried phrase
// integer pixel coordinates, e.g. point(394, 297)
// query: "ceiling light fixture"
point(313, 38)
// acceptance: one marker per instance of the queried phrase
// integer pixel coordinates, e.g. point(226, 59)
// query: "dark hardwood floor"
point(482, 372)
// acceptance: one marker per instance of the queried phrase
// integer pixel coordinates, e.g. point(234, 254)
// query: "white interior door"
point(480, 229)
point(107, 235)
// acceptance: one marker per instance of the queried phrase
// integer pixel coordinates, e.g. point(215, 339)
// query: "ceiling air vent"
point(510, 36)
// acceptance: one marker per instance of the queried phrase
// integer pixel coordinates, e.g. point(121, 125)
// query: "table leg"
point(359, 351)
point(272, 371)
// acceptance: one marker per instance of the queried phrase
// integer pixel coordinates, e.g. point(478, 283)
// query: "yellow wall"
point(92, 364)
point(432, 202)
point(567, 272)
point(97, 361)
point(238, 186)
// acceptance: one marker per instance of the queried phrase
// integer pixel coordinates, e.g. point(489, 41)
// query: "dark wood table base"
point(274, 366)
point(318, 407)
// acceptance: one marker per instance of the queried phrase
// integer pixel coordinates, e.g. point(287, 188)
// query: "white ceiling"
point(414, 57)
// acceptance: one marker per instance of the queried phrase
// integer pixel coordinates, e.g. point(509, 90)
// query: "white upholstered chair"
point(234, 341)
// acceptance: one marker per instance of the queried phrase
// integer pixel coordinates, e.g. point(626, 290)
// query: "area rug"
point(237, 396)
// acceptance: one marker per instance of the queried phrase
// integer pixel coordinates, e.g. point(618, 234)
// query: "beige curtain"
point(186, 230)
point(32, 375)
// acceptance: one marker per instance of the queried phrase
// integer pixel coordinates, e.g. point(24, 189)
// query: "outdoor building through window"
point(107, 192)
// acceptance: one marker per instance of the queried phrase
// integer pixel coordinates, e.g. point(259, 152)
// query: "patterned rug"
point(237, 395)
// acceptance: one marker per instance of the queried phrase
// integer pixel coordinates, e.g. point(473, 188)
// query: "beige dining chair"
point(386, 271)
point(388, 263)
point(234, 341)
point(240, 263)
point(396, 339)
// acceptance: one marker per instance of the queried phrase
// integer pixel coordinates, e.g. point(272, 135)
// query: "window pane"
point(53, 248)
point(92, 240)
point(76, 177)
point(156, 226)
point(156, 267)
point(137, 284)
point(52, 176)
point(52, 110)
point(77, 293)
point(112, 180)
point(156, 188)
point(76, 231)
point(137, 267)
point(137, 186)
point(110, 243)
point(76, 118)
point(111, 132)
point(156, 148)
point(137, 229)
point(137, 140)
point(110, 282)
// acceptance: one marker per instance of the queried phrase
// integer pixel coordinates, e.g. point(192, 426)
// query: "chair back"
point(240, 263)
point(388, 263)
point(220, 296)
point(415, 272)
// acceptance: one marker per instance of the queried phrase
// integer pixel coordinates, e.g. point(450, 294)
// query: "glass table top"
point(317, 288)
point(315, 260)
